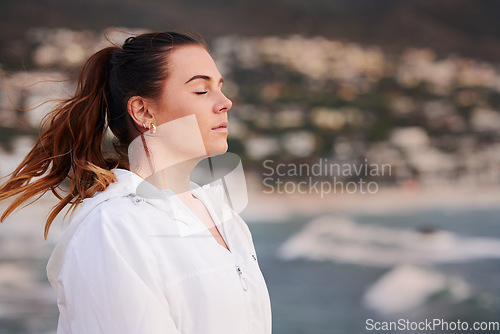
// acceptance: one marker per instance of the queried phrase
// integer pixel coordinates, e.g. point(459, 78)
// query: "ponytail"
point(70, 146)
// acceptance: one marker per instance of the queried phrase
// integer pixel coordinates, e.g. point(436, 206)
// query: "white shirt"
point(136, 260)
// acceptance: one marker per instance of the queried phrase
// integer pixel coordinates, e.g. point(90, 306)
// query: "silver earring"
point(152, 128)
point(143, 125)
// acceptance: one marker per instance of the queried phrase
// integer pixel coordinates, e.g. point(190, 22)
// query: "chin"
point(218, 150)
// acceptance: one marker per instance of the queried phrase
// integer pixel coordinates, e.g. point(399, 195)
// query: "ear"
point(137, 108)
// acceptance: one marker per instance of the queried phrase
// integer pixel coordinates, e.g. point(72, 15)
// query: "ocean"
point(344, 272)
point(327, 273)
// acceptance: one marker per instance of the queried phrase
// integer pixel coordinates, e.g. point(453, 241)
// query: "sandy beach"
point(386, 200)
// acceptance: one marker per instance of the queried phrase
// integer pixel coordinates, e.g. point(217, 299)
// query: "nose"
point(225, 103)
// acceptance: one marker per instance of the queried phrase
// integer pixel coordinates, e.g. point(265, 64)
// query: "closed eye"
point(201, 93)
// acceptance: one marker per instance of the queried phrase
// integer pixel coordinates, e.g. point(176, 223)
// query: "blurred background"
point(413, 86)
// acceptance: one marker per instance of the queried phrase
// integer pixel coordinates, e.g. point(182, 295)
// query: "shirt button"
point(138, 200)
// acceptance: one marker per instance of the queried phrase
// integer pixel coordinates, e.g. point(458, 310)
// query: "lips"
point(222, 125)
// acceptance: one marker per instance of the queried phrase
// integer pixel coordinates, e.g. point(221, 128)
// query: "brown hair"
point(71, 142)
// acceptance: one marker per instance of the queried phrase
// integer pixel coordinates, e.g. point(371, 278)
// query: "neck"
point(167, 157)
point(175, 177)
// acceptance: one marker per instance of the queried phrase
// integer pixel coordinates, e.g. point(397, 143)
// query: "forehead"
point(186, 61)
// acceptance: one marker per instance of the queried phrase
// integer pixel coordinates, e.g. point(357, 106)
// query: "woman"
point(149, 251)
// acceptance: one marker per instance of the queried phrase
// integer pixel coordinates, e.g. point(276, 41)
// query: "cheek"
point(189, 104)
point(172, 110)
point(181, 104)
point(204, 127)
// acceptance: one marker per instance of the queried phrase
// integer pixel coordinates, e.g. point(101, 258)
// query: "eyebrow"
point(204, 77)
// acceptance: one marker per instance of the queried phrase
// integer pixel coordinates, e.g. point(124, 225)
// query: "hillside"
point(469, 28)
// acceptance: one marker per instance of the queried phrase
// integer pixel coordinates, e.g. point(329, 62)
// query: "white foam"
point(341, 240)
point(406, 287)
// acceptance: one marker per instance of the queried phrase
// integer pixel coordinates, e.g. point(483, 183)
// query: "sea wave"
point(406, 287)
point(343, 240)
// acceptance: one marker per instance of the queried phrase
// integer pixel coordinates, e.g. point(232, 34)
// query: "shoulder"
point(115, 232)
point(128, 218)
point(108, 252)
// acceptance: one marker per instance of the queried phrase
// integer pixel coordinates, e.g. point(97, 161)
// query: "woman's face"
point(193, 87)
